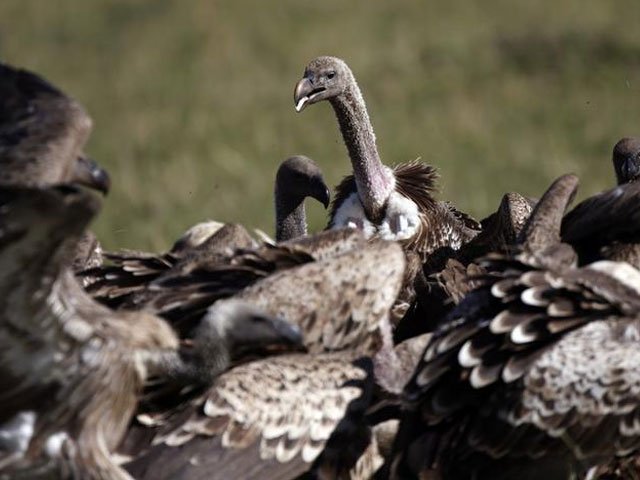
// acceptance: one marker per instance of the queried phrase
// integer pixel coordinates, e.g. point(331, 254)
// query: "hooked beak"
point(322, 193)
point(305, 93)
point(629, 170)
point(88, 173)
point(288, 334)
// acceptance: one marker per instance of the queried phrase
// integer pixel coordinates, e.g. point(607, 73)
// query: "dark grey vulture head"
point(42, 134)
point(299, 177)
point(626, 160)
point(324, 78)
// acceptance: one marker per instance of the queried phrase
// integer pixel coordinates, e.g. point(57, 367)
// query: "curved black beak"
point(88, 173)
point(629, 170)
point(321, 193)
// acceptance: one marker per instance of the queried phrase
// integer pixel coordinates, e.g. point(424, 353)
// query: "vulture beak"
point(90, 174)
point(305, 93)
point(288, 334)
point(629, 169)
point(322, 193)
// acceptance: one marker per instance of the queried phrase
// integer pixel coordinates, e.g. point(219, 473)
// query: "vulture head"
point(239, 323)
point(232, 328)
point(324, 78)
point(43, 133)
point(299, 177)
point(626, 160)
point(88, 173)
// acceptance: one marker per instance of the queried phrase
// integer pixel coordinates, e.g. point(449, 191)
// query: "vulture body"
point(124, 283)
point(71, 370)
point(296, 411)
point(42, 137)
point(508, 384)
point(393, 204)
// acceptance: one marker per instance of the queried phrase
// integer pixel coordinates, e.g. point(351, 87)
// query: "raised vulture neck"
point(373, 180)
point(291, 219)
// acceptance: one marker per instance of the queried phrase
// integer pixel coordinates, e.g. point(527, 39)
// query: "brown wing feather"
point(507, 346)
point(341, 302)
point(288, 406)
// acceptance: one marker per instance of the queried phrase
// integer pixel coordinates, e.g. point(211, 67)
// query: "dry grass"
point(193, 108)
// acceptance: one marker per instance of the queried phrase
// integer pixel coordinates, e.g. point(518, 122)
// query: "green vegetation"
point(193, 110)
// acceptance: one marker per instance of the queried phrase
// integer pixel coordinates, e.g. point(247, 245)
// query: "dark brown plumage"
point(71, 370)
point(605, 226)
point(297, 178)
point(183, 297)
point(392, 204)
point(527, 376)
point(449, 276)
point(123, 282)
point(42, 134)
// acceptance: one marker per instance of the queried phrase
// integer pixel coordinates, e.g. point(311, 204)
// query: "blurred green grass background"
point(193, 110)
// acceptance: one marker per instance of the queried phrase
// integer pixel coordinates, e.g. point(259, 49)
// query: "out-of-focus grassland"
point(193, 110)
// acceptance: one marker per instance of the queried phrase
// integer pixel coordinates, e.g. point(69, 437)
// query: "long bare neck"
point(373, 179)
point(291, 220)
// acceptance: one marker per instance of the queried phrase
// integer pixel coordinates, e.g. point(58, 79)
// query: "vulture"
point(393, 204)
point(124, 282)
point(447, 279)
point(71, 370)
point(297, 178)
point(464, 406)
point(280, 416)
point(534, 374)
point(42, 137)
point(605, 226)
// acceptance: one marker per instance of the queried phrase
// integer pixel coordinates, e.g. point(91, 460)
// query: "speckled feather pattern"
point(291, 404)
point(550, 356)
point(339, 302)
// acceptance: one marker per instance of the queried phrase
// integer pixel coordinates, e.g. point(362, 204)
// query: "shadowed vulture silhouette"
point(394, 204)
point(605, 226)
point(298, 177)
point(71, 370)
point(42, 137)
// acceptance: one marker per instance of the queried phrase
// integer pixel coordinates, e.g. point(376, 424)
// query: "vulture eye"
point(331, 74)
